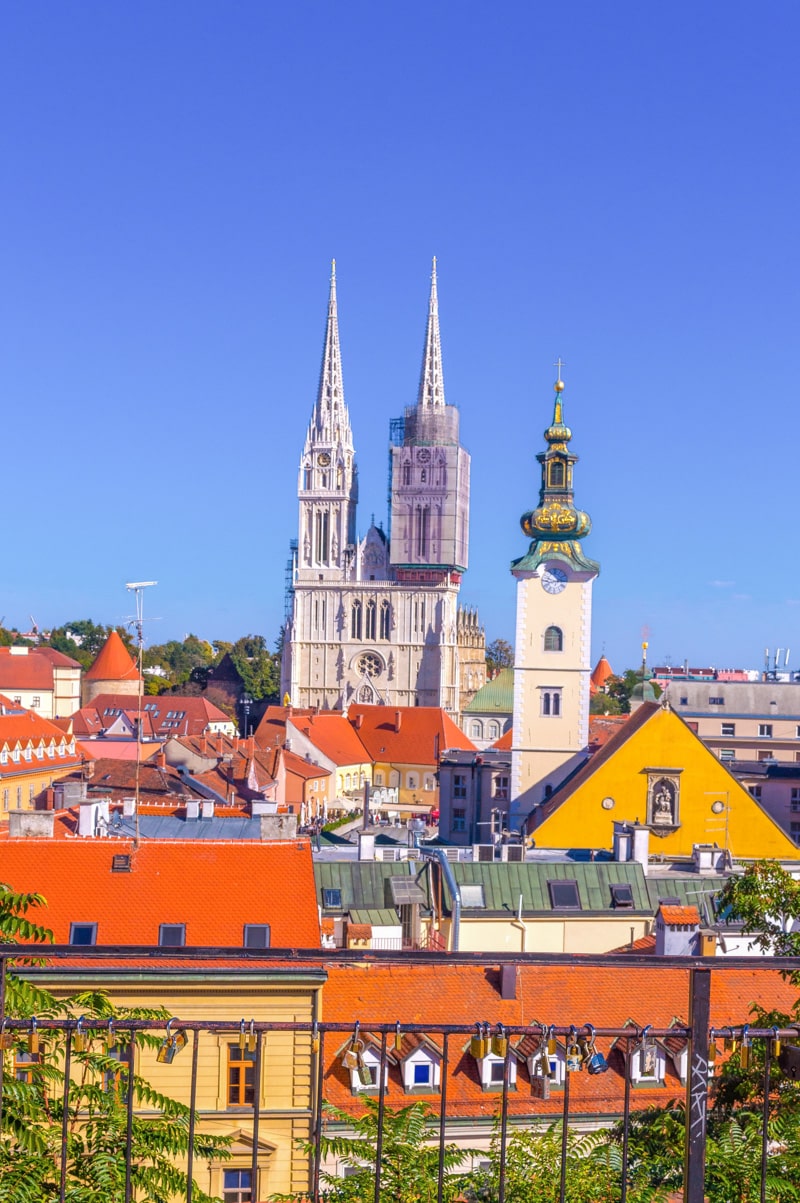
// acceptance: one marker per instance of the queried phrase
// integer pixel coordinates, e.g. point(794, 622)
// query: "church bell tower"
point(552, 660)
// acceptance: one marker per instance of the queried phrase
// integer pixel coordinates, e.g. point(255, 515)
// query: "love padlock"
point(574, 1054)
point(595, 1062)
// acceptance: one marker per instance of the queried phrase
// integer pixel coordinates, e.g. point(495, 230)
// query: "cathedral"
point(377, 620)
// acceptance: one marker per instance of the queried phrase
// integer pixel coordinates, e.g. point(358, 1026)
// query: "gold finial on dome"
point(559, 384)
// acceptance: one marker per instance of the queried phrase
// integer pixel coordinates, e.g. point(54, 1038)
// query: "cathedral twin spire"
point(330, 420)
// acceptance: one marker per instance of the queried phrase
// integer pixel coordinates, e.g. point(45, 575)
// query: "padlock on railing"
point(552, 1042)
point(776, 1042)
point(500, 1042)
point(363, 1070)
point(251, 1037)
point(595, 1062)
point(111, 1037)
point(712, 1052)
point(398, 1037)
point(315, 1043)
point(574, 1054)
point(479, 1043)
point(352, 1054)
point(79, 1037)
point(540, 1077)
point(172, 1043)
point(242, 1037)
point(746, 1049)
point(33, 1038)
point(6, 1037)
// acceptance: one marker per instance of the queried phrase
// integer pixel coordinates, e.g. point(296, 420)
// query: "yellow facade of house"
point(416, 784)
point(661, 775)
point(575, 934)
point(287, 1070)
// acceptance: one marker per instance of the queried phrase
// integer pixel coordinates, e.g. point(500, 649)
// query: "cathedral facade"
point(377, 620)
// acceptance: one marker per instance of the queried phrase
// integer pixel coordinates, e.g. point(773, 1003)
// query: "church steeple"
point(330, 421)
point(328, 482)
point(556, 527)
point(431, 379)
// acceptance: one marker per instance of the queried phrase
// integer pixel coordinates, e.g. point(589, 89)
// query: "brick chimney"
point(358, 721)
point(161, 759)
point(398, 718)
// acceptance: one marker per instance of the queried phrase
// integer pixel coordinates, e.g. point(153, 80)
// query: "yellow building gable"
point(656, 771)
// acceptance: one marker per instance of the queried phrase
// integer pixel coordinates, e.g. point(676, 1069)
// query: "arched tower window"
point(355, 620)
point(406, 474)
point(385, 619)
point(554, 639)
point(371, 617)
point(545, 703)
point(556, 473)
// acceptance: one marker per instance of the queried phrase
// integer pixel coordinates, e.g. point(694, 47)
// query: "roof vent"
point(121, 862)
point(508, 981)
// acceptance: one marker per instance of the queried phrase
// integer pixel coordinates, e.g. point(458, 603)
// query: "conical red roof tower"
point(113, 671)
point(602, 671)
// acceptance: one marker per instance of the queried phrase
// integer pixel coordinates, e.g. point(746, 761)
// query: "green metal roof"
point(504, 883)
point(496, 696)
point(379, 918)
point(364, 884)
point(691, 890)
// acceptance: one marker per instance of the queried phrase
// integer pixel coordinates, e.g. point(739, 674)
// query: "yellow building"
point(33, 754)
point(656, 772)
point(203, 894)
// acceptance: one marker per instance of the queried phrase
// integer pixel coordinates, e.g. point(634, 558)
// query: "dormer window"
point(555, 1065)
point(491, 1070)
point(371, 1064)
point(4, 756)
point(28, 753)
point(420, 1066)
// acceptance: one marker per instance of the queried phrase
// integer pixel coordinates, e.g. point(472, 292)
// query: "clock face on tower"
point(554, 579)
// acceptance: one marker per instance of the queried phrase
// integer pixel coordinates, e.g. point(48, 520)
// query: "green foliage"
point(409, 1162)
point(499, 654)
point(532, 1171)
point(766, 900)
point(256, 666)
point(83, 639)
point(96, 1110)
point(605, 703)
point(179, 659)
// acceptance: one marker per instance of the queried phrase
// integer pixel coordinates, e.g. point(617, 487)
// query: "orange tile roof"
point(214, 888)
point(272, 728)
point(197, 714)
point(415, 739)
point(28, 671)
point(546, 993)
point(680, 916)
point(301, 768)
point(333, 735)
point(505, 742)
point(602, 727)
point(114, 662)
point(601, 672)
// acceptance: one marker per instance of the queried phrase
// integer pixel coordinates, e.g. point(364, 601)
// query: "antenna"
point(138, 588)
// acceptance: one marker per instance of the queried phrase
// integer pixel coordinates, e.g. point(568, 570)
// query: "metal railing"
point(326, 1040)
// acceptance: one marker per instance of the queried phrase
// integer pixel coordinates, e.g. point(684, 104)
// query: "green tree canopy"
point(499, 654)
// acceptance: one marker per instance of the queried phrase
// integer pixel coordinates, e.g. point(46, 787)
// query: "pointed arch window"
point(386, 619)
point(370, 628)
point(554, 639)
point(556, 473)
point(406, 474)
point(356, 615)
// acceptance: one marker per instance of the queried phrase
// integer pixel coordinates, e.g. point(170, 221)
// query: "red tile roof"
point(602, 727)
point(114, 662)
point(505, 742)
point(24, 729)
point(272, 728)
point(680, 916)
point(214, 888)
point(333, 735)
point(601, 672)
point(27, 671)
point(169, 714)
point(545, 993)
point(407, 734)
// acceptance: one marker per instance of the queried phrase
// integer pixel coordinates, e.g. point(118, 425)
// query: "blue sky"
point(614, 184)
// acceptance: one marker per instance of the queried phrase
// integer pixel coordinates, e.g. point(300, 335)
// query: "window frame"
point(553, 639)
point(73, 930)
point(163, 928)
point(245, 1085)
point(560, 883)
point(250, 928)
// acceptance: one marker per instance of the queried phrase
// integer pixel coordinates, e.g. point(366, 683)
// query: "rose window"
point(370, 665)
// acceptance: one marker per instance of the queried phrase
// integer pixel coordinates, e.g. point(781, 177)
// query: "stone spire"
point(330, 421)
point(431, 380)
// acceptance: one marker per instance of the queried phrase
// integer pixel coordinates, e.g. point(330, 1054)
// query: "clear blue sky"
point(613, 183)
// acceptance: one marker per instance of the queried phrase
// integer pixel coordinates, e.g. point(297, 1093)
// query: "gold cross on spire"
point(558, 365)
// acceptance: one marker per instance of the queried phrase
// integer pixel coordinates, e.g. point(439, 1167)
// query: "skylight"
point(564, 895)
point(472, 895)
point(332, 899)
point(622, 895)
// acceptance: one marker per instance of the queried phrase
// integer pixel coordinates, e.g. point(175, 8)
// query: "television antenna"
point(138, 588)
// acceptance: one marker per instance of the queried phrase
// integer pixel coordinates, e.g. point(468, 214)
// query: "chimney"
point(641, 845)
point(161, 759)
point(366, 845)
point(622, 842)
point(251, 745)
point(128, 807)
point(31, 824)
point(398, 718)
point(49, 798)
point(358, 721)
point(508, 981)
point(206, 809)
point(192, 809)
point(204, 744)
point(677, 929)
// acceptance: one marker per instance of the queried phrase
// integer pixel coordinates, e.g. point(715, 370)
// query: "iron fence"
point(326, 1039)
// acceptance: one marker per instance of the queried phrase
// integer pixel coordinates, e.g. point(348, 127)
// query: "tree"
point(83, 639)
point(256, 666)
point(409, 1162)
point(96, 1112)
point(533, 1158)
point(499, 654)
point(604, 703)
point(766, 900)
point(179, 658)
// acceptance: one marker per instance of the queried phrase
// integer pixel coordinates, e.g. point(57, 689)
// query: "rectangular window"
point(459, 785)
point(795, 831)
point(795, 802)
point(5, 799)
point(24, 1063)
point(496, 1073)
point(237, 1186)
point(755, 790)
point(501, 788)
point(765, 730)
point(36, 701)
point(767, 756)
point(256, 935)
point(797, 731)
point(332, 899)
point(728, 730)
point(472, 895)
point(172, 935)
point(622, 896)
point(83, 933)
point(422, 1073)
point(564, 895)
point(727, 754)
point(692, 727)
point(716, 701)
point(459, 822)
point(241, 1076)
